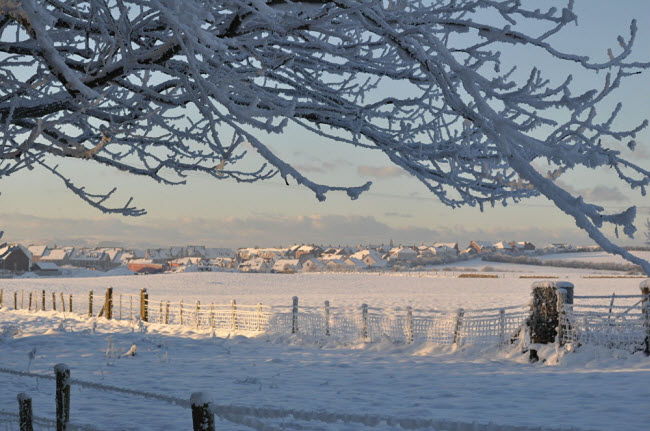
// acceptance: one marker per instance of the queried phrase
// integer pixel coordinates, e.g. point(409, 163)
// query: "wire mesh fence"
point(612, 321)
point(617, 321)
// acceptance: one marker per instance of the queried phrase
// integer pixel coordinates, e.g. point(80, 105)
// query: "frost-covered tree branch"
point(158, 88)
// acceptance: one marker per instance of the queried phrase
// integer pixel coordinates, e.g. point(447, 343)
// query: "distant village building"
point(57, 256)
point(255, 265)
point(312, 265)
point(479, 247)
point(446, 249)
point(46, 269)
point(403, 254)
point(15, 258)
point(147, 266)
point(286, 266)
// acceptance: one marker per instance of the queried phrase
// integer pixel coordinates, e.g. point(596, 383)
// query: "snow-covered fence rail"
point(482, 326)
point(259, 417)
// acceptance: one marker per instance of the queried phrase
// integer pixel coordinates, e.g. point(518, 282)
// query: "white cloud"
point(381, 172)
point(259, 230)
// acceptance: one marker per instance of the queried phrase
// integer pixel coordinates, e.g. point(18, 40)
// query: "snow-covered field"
point(593, 389)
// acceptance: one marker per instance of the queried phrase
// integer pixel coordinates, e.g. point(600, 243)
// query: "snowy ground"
point(593, 389)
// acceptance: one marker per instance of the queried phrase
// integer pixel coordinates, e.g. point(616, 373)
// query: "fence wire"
point(612, 321)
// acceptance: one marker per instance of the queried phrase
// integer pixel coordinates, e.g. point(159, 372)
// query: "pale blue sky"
point(35, 207)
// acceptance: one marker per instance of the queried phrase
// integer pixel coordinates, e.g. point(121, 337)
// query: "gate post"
point(547, 306)
point(645, 306)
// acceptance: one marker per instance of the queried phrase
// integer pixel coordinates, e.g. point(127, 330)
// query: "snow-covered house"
point(15, 258)
point(224, 263)
point(356, 264)
point(255, 265)
point(92, 259)
point(312, 264)
point(481, 247)
point(403, 254)
point(159, 255)
point(446, 249)
point(503, 246)
point(335, 265)
point(58, 256)
point(311, 250)
point(37, 251)
point(286, 265)
point(46, 268)
point(372, 258)
point(426, 252)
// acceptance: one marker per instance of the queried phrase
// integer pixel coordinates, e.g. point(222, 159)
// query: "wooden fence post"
point(1, 295)
point(43, 302)
point(198, 313)
point(25, 415)
point(53, 301)
point(326, 318)
point(90, 303)
point(259, 317)
point(180, 312)
point(409, 325)
point(459, 326)
point(167, 313)
point(30, 302)
point(160, 313)
point(645, 306)
point(234, 323)
point(294, 315)
point(70, 303)
point(144, 305)
point(364, 321)
point(109, 303)
point(15, 300)
point(62, 396)
point(202, 417)
point(62, 302)
point(545, 320)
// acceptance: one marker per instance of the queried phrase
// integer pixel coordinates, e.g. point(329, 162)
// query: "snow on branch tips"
point(156, 89)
